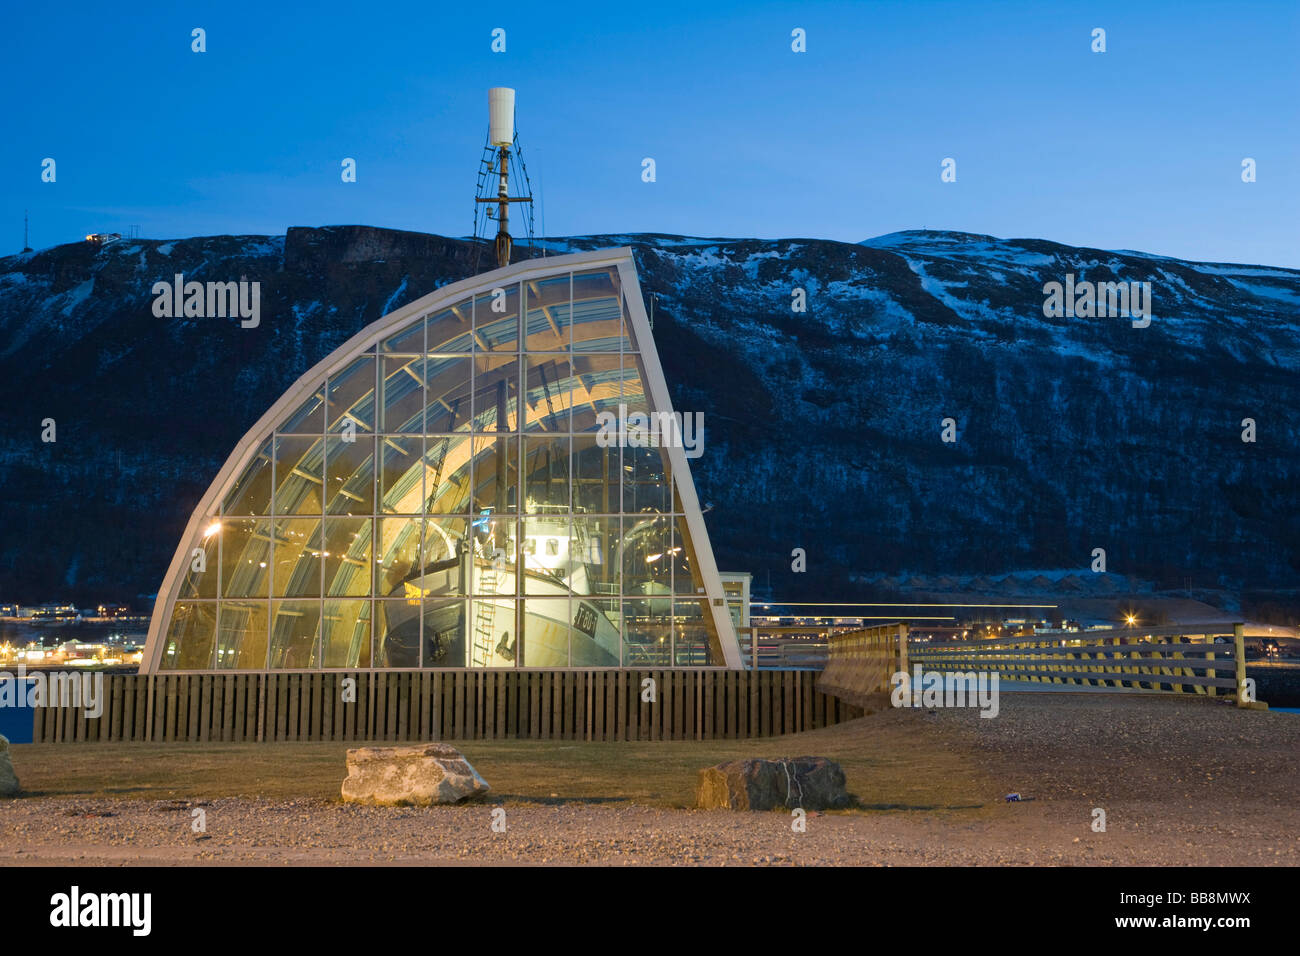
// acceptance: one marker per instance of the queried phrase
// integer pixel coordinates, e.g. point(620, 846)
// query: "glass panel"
point(450, 328)
point(597, 311)
point(594, 638)
point(690, 634)
point(546, 633)
point(400, 487)
point(445, 643)
point(596, 476)
point(629, 331)
point(245, 557)
point(446, 474)
point(634, 396)
point(345, 633)
point(350, 474)
point(309, 418)
point(646, 626)
point(645, 486)
point(251, 494)
point(296, 558)
point(496, 319)
point(493, 641)
point(496, 476)
point(546, 475)
point(347, 557)
point(547, 317)
point(397, 560)
point(190, 636)
point(402, 403)
point(545, 555)
point(448, 379)
point(241, 635)
point(352, 396)
point(496, 393)
point(397, 633)
point(547, 393)
point(298, 469)
point(595, 554)
point(647, 568)
point(595, 390)
point(686, 579)
point(410, 339)
point(203, 583)
point(295, 635)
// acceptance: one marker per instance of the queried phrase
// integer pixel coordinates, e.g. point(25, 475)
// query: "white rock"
point(410, 776)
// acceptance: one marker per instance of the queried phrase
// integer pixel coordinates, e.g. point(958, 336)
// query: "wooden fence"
point(1178, 659)
point(861, 662)
point(449, 705)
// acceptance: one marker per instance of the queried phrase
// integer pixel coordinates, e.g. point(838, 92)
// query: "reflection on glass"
point(350, 474)
point(496, 320)
point(245, 557)
point(241, 635)
point(299, 468)
point(201, 582)
point(451, 329)
point(296, 558)
point(401, 404)
point(345, 633)
point(190, 636)
point(251, 494)
point(547, 393)
point(401, 490)
point(596, 389)
point(347, 557)
point(547, 319)
point(447, 380)
point(352, 397)
point(597, 311)
point(295, 635)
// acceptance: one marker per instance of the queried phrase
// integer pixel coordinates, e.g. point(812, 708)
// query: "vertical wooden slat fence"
point(452, 705)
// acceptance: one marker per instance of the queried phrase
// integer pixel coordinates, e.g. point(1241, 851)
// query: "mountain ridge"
point(823, 427)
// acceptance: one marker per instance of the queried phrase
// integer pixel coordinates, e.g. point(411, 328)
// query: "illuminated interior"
point(438, 497)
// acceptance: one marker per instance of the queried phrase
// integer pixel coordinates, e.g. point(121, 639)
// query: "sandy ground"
point(1182, 782)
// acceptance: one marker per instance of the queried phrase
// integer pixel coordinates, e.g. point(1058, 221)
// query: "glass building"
point(446, 490)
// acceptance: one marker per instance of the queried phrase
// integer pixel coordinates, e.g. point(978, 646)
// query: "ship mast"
point(501, 138)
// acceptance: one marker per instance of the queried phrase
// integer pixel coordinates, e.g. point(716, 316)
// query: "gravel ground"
point(1182, 783)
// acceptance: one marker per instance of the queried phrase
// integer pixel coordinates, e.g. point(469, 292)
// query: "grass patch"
point(890, 763)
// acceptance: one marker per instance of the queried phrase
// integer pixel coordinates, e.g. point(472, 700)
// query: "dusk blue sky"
point(1136, 148)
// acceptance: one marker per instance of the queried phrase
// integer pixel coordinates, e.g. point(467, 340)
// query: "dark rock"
point(811, 783)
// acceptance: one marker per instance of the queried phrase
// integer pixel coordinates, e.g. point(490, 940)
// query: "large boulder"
point(410, 776)
point(812, 783)
point(8, 779)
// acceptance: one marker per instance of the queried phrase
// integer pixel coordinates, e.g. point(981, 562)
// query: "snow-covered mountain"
point(823, 427)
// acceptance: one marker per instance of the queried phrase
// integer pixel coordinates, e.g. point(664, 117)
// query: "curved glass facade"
point(441, 498)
